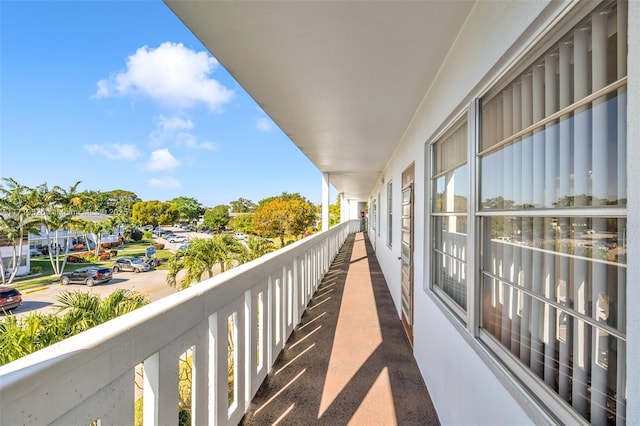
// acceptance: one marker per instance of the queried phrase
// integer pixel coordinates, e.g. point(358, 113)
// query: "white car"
point(240, 236)
point(177, 239)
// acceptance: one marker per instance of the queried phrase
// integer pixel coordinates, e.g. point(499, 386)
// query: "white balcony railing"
point(91, 377)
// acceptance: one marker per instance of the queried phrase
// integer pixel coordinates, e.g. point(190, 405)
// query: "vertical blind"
point(552, 207)
point(449, 216)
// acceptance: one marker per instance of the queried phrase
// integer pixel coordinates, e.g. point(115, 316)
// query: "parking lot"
point(43, 299)
point(151, 283)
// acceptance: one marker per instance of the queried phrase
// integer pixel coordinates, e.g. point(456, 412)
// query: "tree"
point(334, 212)
point(302, 217)
point(217, 217)
point(285, 196)
point(116, 202)
point(69, 203)
point(242, 205)
point(16, 221)
point(242, 223)
point(189, 208)
point(97, 229)
point(257, 247)
point(200, 258)
point(270, 219)
point(154, 213)
point(57, 210)
point(289, 215)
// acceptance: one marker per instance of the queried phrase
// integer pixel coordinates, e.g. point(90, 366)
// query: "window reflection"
point(573, 176)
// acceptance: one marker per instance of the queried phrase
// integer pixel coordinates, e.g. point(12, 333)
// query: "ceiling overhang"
point(342, 79)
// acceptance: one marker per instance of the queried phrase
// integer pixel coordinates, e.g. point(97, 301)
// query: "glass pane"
point(451, 277)
point(576, 360)
point(577, 262)
point(451, 150)
point(577, 161)
point(449, 261)
point(452, 191)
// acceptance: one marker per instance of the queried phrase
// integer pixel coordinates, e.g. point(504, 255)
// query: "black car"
point(9, 298)
point(88, 275)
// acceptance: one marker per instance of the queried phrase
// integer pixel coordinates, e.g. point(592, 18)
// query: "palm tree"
point(46, 201)
point(85, 310)
point(77, 312)
point(97, 229)
point(227, 251)
point(195, 261)
point(201, 257)
point(70, 201)
point(257, 247)
point(56, 221)
point(16, 221)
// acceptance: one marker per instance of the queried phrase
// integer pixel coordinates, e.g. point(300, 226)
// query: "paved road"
point(151, 283)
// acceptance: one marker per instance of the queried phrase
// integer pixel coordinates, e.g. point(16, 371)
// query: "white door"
point(406, 257)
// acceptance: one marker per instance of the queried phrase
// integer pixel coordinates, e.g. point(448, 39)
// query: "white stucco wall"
point(7, 252)
point(463, 387)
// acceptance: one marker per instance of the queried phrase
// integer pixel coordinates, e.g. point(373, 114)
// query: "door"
point(406, 252)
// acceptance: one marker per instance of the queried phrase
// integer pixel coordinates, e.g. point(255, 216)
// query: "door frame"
point(408, 179)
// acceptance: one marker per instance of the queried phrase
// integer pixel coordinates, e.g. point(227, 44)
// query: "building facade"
point(517, 226)
point(502, 212)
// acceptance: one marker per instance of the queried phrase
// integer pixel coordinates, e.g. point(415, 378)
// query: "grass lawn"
point(46, 277)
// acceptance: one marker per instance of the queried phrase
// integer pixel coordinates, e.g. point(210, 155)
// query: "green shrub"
point(36, 269)
point(147, 235)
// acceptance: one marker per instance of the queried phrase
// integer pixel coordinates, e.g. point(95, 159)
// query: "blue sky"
point(121, 95)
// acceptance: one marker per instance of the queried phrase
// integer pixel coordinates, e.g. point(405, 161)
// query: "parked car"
point(35, 252)
point(177, 239)
point(10, 298)
point(240, 236)
point(131, 264)
point(184, 246)
point(88, 275)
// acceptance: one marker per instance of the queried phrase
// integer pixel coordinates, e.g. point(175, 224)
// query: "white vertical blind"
point(555, 283)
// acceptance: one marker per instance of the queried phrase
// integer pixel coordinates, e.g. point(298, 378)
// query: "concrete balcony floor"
point(349, 361)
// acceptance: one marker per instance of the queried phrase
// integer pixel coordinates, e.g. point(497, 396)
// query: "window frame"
point(550, 399)
point(550, 405)
point(460, 314)
point(390, 214)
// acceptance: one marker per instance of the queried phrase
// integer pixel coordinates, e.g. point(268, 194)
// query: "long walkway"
point(348, 362)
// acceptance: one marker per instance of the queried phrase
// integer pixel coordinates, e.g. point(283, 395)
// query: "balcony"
point(343, 359)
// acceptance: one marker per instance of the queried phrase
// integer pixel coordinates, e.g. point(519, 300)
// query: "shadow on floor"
point(349, 361)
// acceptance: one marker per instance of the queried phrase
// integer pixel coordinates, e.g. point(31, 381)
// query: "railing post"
point(160, 388)
point(202, 401)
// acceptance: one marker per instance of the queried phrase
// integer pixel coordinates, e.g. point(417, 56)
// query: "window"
point(374, 214)
point(552, 213)
point(7, 261)
point(449, 210)
point(390, 214)
point(378, 215)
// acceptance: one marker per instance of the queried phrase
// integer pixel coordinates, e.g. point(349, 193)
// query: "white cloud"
point(115, 151)
point(172, 75)
point(264, 125)
point(167, 127)
point(191, 141)
point(161, 159)
point(165, 183)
